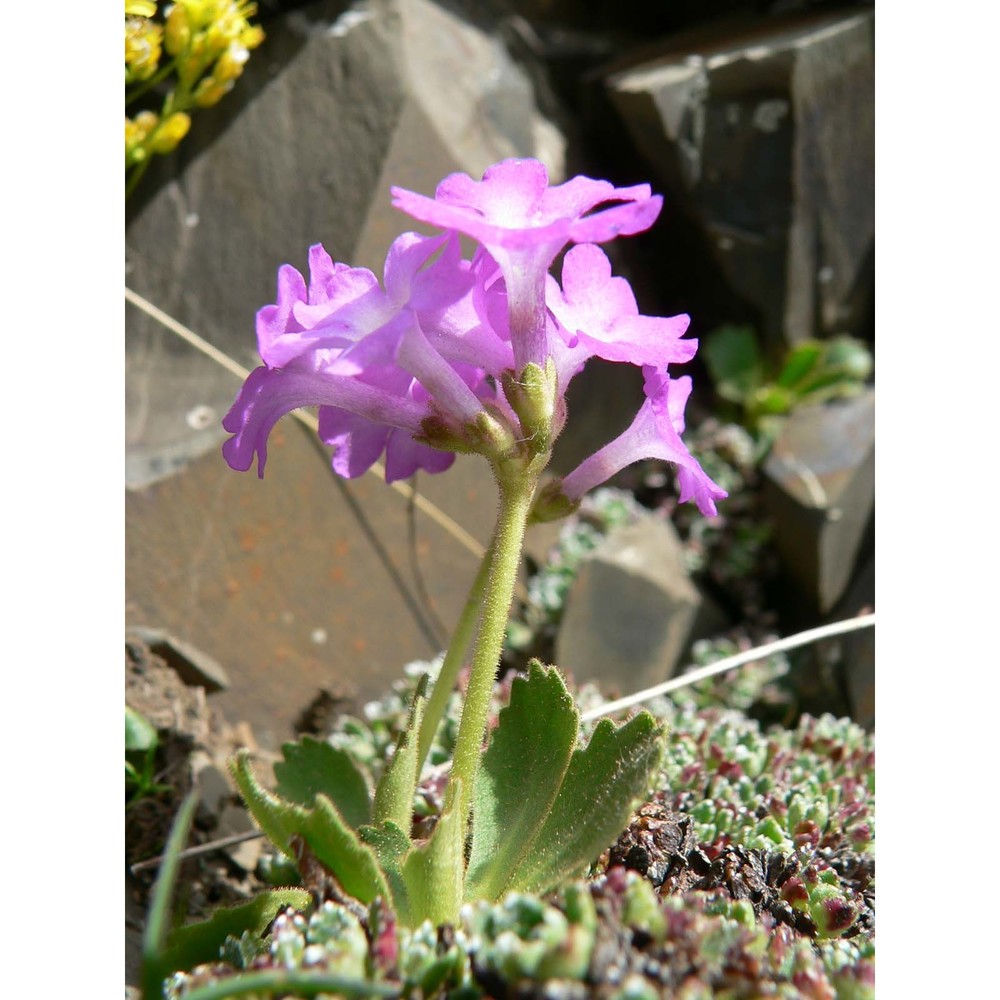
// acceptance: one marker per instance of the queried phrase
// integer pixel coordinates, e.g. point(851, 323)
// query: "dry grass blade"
point(730, 663)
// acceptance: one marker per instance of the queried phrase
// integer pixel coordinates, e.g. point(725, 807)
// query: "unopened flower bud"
point(217, 38)
point(170, 133)
point(135, 136)
point(532, 396)
point(251, 36)
point(210, 91)
point(230, 64)
point(177, 36)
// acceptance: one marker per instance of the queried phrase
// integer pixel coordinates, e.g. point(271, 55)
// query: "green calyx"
point(533, 395)
point(489, 434)
point(551, 504)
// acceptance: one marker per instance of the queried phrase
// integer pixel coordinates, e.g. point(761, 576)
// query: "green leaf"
point(844, 367)
point(734, 361)
point(799, 363)
point(292, 983)
point(154, 938)
point(140, 733)
point(771, 400)
point(433, 870)
point(342, 851)
point(853, 357)
point(597, 796)
point(397, 786)
point(323, 828)
point(197, 943)
point(313, 767)
point(391, 845)
point(278, 819)
point(519, 778)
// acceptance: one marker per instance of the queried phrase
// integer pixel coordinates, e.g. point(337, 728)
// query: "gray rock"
point(819, 492)
point(765, 137)
point(234, 820)
point(334, 108)
point(195, 668)
point(632, 612)
point(214, 790)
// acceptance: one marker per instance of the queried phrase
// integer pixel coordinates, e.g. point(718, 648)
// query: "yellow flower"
point(142, 48)
point(178, 30)
point(230, 64)
point(137, 131)
point(210, 91)
point(170, 133)
point(251, 36)
point(141, 8)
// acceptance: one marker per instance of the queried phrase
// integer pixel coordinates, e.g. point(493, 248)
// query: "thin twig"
point(194, 852)
point(730, 663)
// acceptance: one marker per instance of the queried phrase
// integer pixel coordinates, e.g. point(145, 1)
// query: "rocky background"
point(756, 122)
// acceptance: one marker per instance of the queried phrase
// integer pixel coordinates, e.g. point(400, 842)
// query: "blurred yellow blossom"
point(143, 40)
point(170, 132)
point(208, 43)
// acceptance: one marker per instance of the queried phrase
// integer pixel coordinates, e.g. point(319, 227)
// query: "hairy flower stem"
point(517, 490)
point(460, 640)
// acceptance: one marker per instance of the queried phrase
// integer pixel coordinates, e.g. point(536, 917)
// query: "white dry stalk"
point(730, 663)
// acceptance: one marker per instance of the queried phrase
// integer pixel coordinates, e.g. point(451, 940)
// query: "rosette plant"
point(447, 355)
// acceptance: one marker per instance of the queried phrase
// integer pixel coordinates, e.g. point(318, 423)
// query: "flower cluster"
point(451, 354)
point(207, 41)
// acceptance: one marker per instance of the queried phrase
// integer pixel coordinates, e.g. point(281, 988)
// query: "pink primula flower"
point(655, 433)
point(601, 318)
point(429, 353)
point(356, 350)
point(523, 223)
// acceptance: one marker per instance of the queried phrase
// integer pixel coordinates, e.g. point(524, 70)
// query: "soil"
point(195, 742)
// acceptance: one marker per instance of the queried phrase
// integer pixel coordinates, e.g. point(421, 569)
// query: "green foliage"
point(610, 937)
point(596, 797)
point(803, 793)
point(786, 790)
point(545, 807)
point(193, 944)
point(312, 767)
point(155, 936)
point(521, 774)
point(394, 795)
point(141, 743)
point(321, 827)
point(812, 371)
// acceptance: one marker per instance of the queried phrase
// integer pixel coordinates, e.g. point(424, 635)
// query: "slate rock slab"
point(764, 136)
point(301, 581)
point(632, 611)
point(819, 492)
